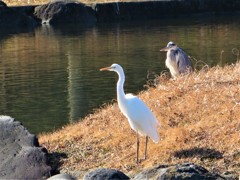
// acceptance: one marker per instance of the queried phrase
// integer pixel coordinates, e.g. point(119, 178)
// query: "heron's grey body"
point(177, 60)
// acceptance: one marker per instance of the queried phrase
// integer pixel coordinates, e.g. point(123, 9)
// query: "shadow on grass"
point(202, 153)
point(55, 161)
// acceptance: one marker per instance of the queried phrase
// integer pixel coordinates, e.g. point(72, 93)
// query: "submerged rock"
point(20, 154)
point(106, 174)
point(185, 171)
point(64, 12)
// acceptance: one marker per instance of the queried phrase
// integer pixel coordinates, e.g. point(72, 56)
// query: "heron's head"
point(169, 46)
point(113, 67)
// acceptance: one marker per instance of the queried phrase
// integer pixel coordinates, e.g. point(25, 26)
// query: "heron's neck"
point(120, 84)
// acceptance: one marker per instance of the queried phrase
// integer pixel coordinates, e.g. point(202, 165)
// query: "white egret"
point(177, 60)
point(140, 117)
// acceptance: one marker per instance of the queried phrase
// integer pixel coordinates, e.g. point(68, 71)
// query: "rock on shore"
point(13, 19)
point(21, 156)
point(62, 12)
point(105, 173)
point(178, 171)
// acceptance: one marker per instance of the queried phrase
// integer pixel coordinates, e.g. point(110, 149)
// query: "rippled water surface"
point(50, 76)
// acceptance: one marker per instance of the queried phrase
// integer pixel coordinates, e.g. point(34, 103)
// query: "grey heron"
point(177, 60)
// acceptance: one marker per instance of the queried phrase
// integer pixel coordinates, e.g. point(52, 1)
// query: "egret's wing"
point(137, 109)
point(142, 117)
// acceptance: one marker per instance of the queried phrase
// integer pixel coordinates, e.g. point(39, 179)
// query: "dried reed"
point(199, 117)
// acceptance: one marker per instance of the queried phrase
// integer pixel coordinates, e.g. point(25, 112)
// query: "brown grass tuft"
point(200, 123)
point(40, 2)
point(25, 2)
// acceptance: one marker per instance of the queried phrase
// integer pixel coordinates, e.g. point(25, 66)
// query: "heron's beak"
point(164, 49)
point(105, 69)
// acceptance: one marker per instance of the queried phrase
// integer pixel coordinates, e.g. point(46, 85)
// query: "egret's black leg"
point(137, 148)
point(146, 142)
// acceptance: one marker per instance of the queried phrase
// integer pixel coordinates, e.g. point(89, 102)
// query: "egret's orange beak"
point(164, 49)
point(105, 69)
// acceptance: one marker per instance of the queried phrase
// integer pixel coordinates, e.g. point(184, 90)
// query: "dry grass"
point(40, 2)
point(200, 122)
point(25, 2)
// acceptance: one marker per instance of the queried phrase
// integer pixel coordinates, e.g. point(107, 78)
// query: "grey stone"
point(62, 177)
point(20, 154)
point(3, 4)
point(106, 174)
point(13, 19)
point(185, 171)
point(63, 12)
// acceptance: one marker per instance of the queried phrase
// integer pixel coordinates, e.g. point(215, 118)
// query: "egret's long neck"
point(120, 83)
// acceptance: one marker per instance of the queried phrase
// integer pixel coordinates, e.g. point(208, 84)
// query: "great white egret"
point(140, 117)
point(177, 60)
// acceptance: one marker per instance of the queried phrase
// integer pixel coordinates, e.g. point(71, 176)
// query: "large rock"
point(185, 171)
point(20, 154)
point(27, 10)
point(106, 174)
point(153, 9)
point(11, 18)
point(64, 12)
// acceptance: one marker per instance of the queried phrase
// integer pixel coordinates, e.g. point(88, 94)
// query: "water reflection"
point(51, 76)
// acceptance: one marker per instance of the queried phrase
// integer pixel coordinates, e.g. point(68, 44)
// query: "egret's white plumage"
point(140, 117)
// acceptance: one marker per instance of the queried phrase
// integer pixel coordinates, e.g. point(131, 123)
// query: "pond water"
point(50, 76)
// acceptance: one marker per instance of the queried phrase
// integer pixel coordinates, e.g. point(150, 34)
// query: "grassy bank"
point(25, 2)
point(39, 2)
point(200, 123)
